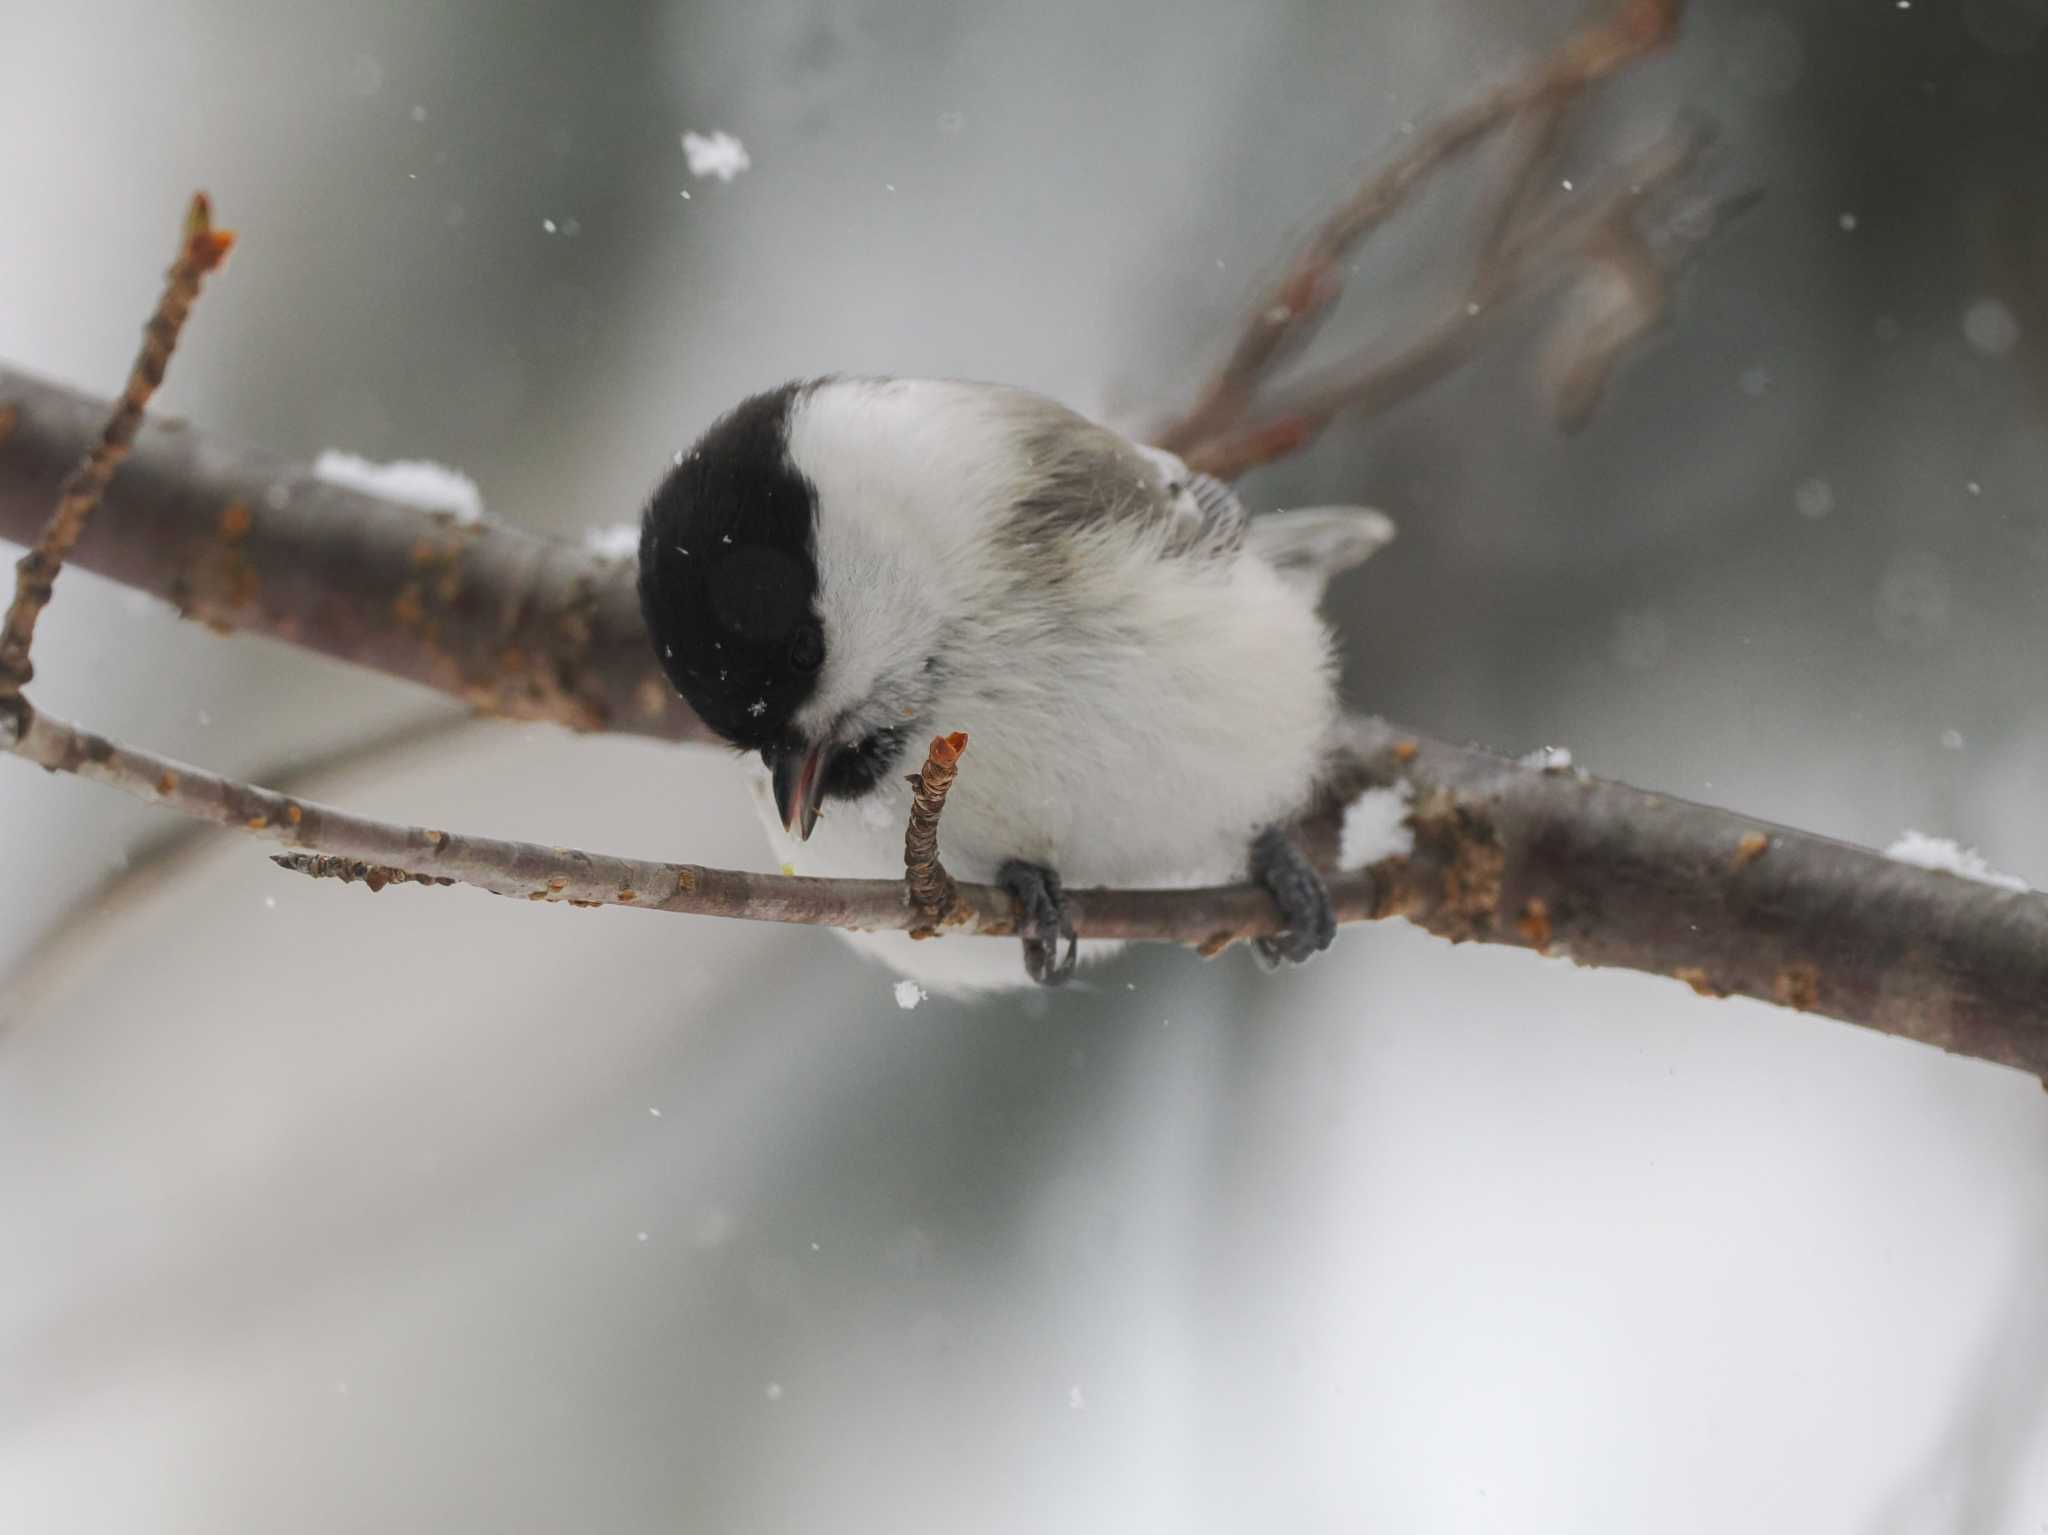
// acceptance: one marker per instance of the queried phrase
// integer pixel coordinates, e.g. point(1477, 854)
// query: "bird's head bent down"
point(820, 674)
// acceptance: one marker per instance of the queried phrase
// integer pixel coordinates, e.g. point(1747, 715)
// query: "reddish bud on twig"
point(931, 887)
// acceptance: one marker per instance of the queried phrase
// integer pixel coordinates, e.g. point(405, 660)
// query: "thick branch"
point(243, 540)
point(1614, 876)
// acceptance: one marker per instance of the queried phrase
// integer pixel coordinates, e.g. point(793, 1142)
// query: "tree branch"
point(246, 541)
point(1608, 875)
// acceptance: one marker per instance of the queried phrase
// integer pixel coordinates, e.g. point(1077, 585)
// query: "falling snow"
point(715, 154)
point(908, 994)
point(1990, 328)
point(1815, 498)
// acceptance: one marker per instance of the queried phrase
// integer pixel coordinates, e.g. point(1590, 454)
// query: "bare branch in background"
point(1532, 254)
point(1231, 428)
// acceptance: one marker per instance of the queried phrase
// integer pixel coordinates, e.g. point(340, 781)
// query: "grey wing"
point(1078, 474)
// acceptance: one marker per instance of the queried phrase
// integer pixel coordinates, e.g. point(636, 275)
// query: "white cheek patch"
point(876, 619)
point(896, 471)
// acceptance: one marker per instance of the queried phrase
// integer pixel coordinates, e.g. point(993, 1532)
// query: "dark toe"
point(1298, 891)
point(1042, 920)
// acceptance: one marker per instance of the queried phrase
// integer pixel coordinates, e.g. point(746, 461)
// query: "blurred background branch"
point(1232, 428)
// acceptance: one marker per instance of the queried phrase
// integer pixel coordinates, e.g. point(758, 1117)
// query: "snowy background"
point(429, 1212)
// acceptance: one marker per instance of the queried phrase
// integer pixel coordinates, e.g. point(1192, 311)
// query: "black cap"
point(729, 574)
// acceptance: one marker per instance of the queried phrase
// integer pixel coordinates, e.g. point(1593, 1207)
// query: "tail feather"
point(1309, 546)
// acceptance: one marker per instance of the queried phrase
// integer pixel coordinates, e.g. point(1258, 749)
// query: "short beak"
point(799, 785)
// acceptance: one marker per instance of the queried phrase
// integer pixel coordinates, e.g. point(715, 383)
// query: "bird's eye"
point(807, 648)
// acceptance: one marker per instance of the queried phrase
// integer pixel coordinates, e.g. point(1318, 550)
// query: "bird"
point(841, 567)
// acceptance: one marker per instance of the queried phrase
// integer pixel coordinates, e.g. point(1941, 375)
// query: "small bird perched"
point(842, 568)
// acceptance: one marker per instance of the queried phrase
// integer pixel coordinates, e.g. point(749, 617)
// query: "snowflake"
point(758, 707)
point(715, 154)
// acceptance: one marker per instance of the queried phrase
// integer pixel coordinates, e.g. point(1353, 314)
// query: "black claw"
point(1042, 920)
point(1300, 894)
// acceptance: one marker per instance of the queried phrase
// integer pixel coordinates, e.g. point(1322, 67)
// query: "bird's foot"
point(1304, 902)
point(1042, 920)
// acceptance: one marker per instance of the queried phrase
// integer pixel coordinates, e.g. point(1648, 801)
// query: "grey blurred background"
point(430, 1212)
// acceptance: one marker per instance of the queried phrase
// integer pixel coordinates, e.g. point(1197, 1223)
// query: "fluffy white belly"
point(1129, 768)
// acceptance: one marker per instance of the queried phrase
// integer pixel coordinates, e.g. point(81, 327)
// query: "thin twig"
point(73, 936)
point(201, 249)
point(931, 888)
point(1294, 308)
point(1534, 251)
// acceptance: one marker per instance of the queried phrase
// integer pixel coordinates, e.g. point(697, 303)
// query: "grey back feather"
point(1084, 474)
